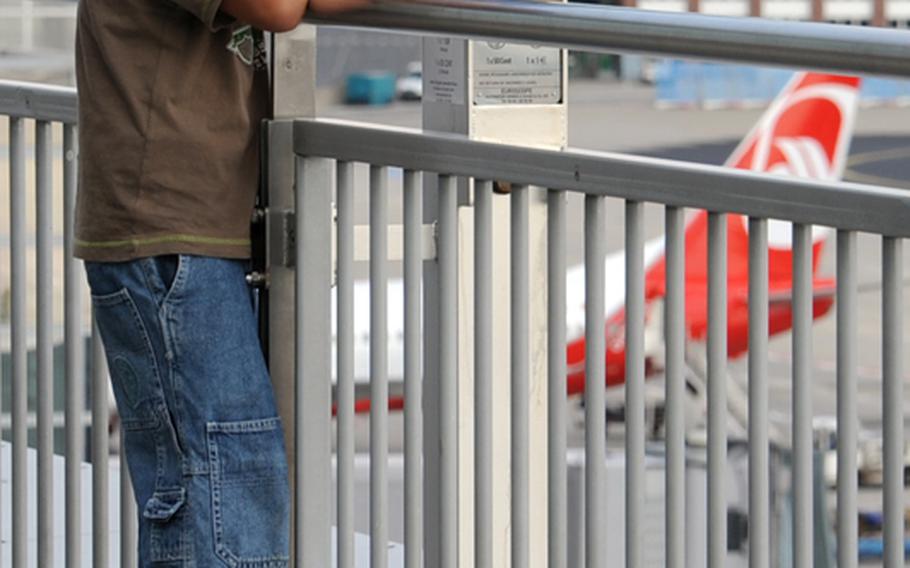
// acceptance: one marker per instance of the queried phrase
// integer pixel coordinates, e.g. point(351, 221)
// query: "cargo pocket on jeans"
point(167, 534)
point(250, 493)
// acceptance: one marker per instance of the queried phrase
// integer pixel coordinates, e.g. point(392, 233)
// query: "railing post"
point(293, 58)
point(465, 92)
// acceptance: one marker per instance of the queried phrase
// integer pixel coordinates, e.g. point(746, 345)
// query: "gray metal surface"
point(345, 352)
point(483, 374)
point(759, 472)
point(603, 28)
point(312, 509)
point(675, 337)
point(892, 399)
point(19, 347)
point(448, 370)
point(379, 367)
point(520, 370)
point(803, 529)
point(75, 355)
point(100, 460)
point(635, 382)
point(847, 423)
point(841, 205)
point(595, 381)
point(557, 411)
point(40, 102)
point(717, 390)
point(128, 521)
point(413, 396)
point(44, 352)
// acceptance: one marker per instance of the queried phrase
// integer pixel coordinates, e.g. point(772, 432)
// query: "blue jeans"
point(202, 436)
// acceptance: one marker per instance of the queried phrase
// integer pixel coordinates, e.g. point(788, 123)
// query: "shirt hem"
point(131, 249)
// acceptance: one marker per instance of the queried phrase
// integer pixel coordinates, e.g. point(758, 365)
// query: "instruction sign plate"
point(516, 74)
point(444, 70)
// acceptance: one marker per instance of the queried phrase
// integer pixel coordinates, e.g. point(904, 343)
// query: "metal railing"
point(326, 151)
point(322, 146)
point(41, 134)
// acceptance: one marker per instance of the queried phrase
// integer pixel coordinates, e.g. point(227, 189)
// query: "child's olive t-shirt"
point(171, 96)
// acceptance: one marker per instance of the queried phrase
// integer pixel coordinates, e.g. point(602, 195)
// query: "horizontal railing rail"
point(602, 28)
point(840, 205)
point(38, 102)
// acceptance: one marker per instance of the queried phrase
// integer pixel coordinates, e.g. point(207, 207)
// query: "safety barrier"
point(325, 154)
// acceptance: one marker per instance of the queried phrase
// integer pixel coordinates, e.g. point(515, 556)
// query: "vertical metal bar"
point(447, 251)
point(557, 509)
point(675, 334)
point(75, 356)
point(635, 381)
point(759, 472)
point(847, 421)
point(413, 395)
point(19, 346)
point(892, 400)
point(128, 519)
point(717, 389)
point(44, 346)
point(483, 375)
point(313, 362)
point(803, 452)
point(595, 381)
point(379, 379)
point(345, 354)
point(520, 391)
point(100, 445)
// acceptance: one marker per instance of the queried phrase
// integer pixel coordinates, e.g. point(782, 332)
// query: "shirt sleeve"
point(208, 12)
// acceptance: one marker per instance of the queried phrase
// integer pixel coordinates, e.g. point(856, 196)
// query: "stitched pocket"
point(131, 360)
point(165, 511)
point(250, 493)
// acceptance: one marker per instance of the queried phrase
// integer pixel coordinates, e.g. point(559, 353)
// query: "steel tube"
point(610, 29)
point(312, 508)
point(447, 253)
point(759, 472)
point(39, 102)
point(520, 371)
point(847, 420)
point(413, 395)
point(635, 382)
point(675, 337)
point(379, 371)
point(803, 450)
point(717, 389)
point(44, 353)
point(557, 496)
point(100, 445)
point(595, 382)
point(345, 353)
point(483, 375)
point(128, 520)
point(893, 397)
point(651, 180)
point(19, 346)
point(75, 356)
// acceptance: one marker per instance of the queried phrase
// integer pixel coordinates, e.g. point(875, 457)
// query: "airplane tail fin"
point(806, 132)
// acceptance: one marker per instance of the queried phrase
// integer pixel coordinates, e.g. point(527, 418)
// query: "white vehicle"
point(410, 86)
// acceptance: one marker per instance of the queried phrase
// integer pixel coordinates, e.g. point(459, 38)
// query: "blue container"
point(370, 88)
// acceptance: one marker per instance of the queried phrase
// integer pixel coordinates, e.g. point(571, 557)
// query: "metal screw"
point(257, 279)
